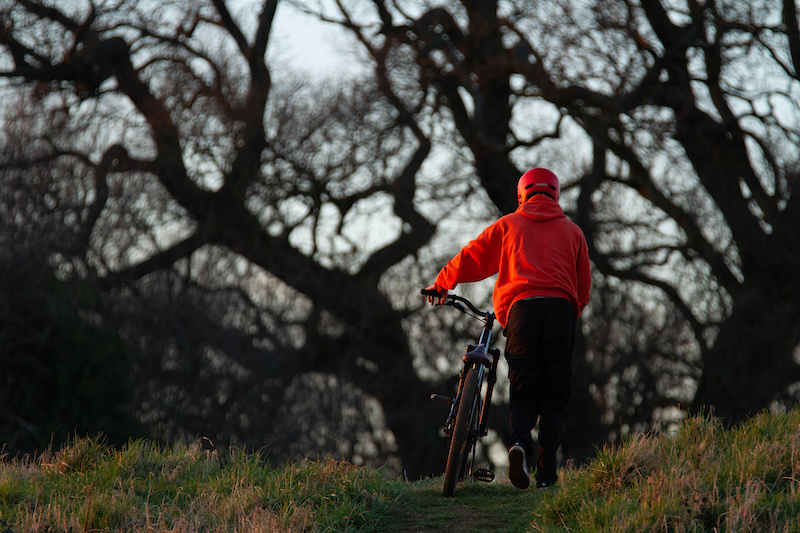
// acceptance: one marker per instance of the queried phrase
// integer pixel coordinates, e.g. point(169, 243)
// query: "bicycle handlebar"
point(453, 301)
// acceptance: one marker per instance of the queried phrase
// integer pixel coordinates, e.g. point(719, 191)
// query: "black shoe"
point(518, 467)
point(546, 469)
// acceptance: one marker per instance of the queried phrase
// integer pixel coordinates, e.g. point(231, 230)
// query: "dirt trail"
point(476, 508)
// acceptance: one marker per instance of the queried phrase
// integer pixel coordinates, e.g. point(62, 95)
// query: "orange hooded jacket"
point(535, 251)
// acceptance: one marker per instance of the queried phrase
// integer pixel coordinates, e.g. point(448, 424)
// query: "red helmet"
point(537, 181)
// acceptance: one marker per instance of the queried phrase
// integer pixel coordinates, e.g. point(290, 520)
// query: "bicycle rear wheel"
point(460, 443)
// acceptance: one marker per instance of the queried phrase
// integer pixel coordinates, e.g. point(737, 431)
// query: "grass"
point(90, 487)
point(703, 478)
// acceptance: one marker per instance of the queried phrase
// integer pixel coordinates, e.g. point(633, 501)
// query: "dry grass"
point(704, 478)
point(89, 487)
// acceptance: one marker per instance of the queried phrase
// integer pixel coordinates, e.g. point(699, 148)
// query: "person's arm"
point(478, 260)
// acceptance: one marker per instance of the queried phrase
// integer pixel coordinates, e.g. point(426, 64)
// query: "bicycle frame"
point(479, 356)
point(467, 420)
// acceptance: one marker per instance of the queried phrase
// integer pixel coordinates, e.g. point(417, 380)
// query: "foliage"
point(64, 370)
point(701, 477)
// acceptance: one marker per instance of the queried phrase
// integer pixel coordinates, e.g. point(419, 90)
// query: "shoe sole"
point(516, 469)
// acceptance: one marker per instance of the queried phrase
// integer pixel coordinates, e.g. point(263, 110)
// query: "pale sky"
point(306, 42)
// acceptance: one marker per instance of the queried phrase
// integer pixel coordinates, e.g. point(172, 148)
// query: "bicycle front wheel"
point(460, 442)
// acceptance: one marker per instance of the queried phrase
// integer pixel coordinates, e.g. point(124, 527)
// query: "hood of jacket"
point(541, 209)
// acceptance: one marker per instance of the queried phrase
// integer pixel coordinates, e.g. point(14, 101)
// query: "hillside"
point(702, 478)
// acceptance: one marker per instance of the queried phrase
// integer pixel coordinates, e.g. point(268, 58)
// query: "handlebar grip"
point(427, 292)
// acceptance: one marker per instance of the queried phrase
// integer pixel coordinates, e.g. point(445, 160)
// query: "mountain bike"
point(467, 419)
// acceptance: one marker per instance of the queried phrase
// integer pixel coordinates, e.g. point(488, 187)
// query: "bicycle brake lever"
point(458, 306)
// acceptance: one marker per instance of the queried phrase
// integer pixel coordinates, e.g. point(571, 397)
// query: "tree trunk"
point(752, 361)
point(390, 377)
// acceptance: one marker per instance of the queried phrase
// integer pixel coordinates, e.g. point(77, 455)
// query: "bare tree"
point(193, 159)
point(674, 125)
point(682, 120)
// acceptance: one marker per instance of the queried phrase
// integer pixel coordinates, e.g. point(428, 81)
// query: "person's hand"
point(434, 300)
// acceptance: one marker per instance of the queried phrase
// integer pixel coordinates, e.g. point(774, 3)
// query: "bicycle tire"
point(459, 446)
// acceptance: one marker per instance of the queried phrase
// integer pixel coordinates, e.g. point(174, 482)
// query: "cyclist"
point(542, 286)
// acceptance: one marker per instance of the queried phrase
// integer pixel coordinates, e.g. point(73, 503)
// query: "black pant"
point(540, 336)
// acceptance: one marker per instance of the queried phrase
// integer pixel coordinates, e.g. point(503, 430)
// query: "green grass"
point(88, 486)
point(704, 478)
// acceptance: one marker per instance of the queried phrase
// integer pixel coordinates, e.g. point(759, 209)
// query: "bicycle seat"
point(477, 354)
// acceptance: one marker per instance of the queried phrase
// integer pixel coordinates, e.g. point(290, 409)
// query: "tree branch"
point(160, 261)
point(642, 182)
point(792, 33)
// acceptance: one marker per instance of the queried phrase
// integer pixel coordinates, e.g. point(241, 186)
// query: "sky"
point(306, 42)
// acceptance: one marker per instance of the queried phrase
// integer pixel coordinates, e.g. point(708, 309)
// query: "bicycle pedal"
point(441, 398)
point(483, 474)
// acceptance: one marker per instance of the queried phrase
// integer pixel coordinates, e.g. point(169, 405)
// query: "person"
point(543, 281)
